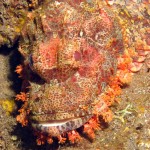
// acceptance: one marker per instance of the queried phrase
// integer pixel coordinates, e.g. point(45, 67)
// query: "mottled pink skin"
point(55, 55)
point(76, 59)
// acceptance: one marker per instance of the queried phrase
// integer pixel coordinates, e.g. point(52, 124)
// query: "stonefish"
point(75, 59)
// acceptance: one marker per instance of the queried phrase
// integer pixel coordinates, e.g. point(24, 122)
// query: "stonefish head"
point(73, 49)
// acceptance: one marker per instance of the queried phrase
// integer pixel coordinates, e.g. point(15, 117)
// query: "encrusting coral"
point(8, 105)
